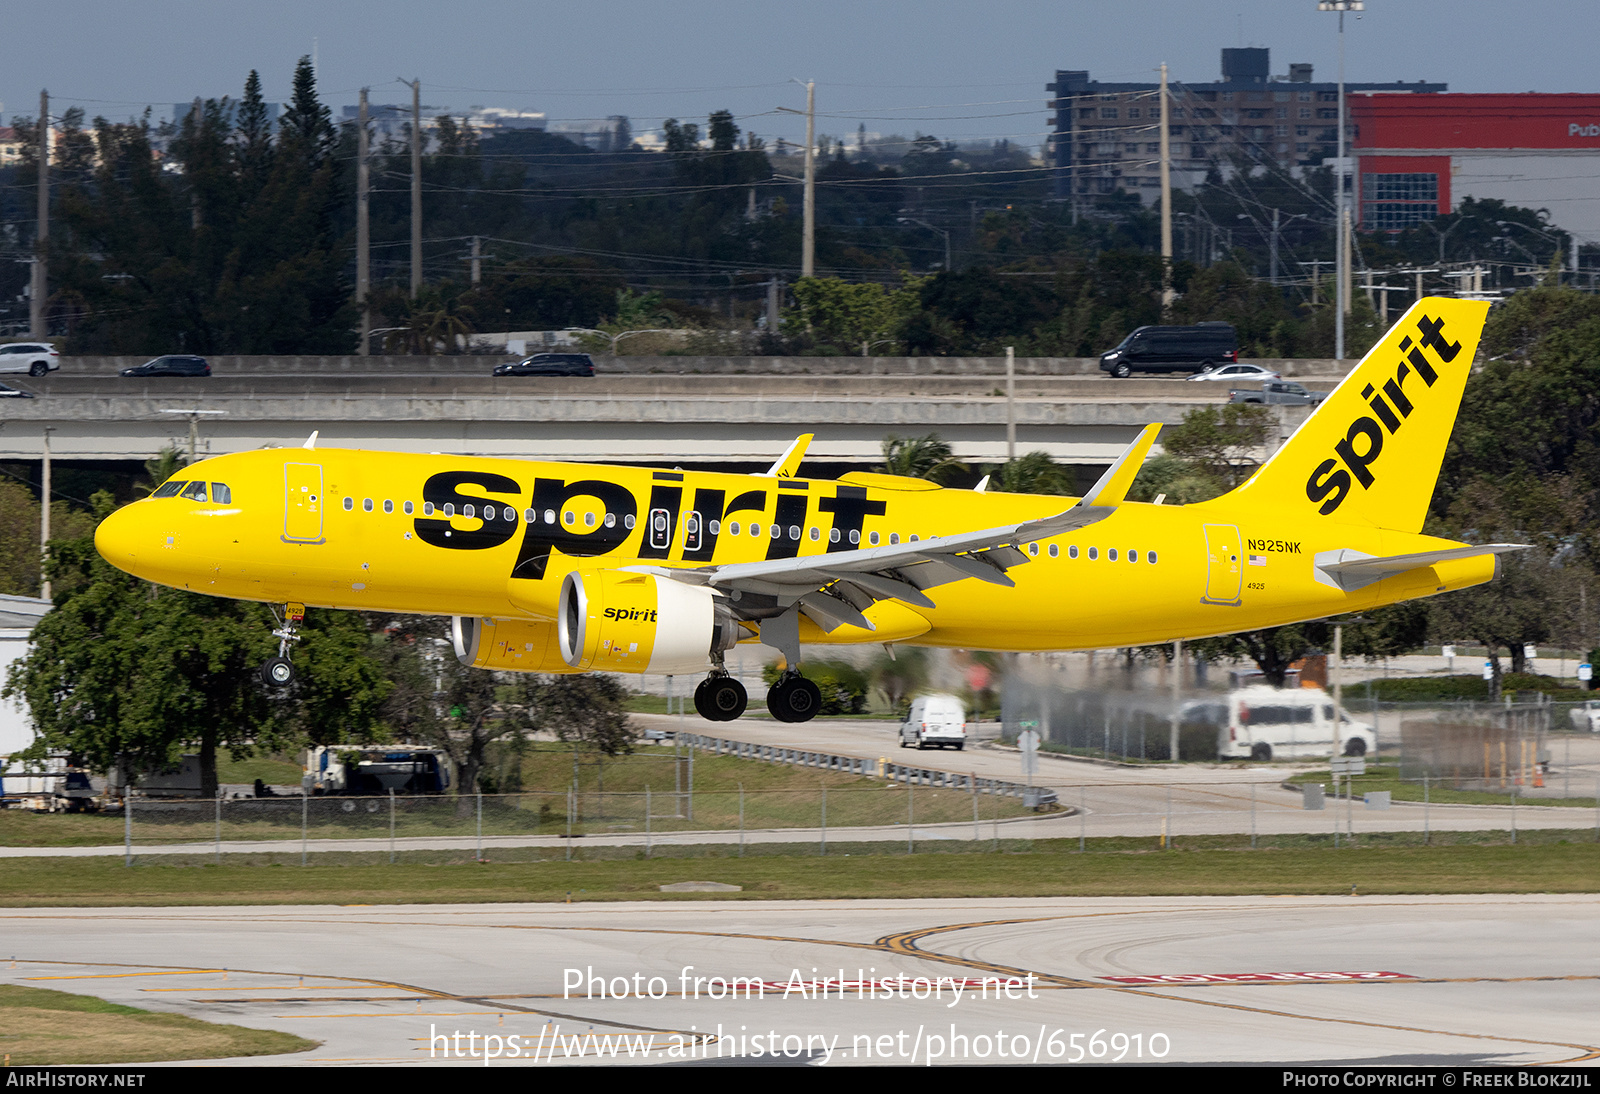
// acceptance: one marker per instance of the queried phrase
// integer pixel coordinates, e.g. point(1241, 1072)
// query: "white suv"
point(34, 358)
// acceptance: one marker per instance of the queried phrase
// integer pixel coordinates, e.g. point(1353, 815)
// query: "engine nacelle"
point(617, 621)
point(508, 645)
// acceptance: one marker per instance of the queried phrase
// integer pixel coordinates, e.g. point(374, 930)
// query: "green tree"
point(850, 317)
point(1034, 473)
point(925, 457)
point(122, 671)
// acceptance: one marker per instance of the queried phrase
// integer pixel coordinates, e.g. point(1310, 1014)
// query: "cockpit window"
point(168, 488)
point(222, 495)
point(195, 491)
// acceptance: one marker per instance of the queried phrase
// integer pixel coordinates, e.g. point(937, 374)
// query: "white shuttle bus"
point(1289, 724)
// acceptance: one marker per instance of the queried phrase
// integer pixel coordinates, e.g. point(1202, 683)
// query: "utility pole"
point(808, 247)
point(1166, 199)
point(39, 284)
point(44, 511)
point(477, 259)
point(1011, 396)
point(416, 188)
point(1273, 250)
point(194, 195)
point(363, 228)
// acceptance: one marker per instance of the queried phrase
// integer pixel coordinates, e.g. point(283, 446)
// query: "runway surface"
point(1421, 980)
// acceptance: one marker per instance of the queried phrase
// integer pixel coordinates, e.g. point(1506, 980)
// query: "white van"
point(1266, 723)
point(935, 720)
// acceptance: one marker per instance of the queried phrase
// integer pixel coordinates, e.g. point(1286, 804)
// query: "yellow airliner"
point(556, 567)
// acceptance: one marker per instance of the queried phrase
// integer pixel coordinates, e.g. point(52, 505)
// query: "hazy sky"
point(961, 71)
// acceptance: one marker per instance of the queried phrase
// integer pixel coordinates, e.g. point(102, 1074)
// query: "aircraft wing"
point(837, 587)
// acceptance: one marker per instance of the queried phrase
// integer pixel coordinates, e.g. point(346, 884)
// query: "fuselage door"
point(1224, 564)
point(302, 502)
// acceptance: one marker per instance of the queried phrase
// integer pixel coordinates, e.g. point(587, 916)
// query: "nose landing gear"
point(278, 672)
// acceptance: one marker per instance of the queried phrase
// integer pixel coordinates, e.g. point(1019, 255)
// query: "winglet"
point(788, 463)
point(1113, 486)
point(311, 441)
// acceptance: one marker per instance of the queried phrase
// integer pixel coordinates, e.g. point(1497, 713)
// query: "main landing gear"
point(794, 698)
point(278, 672)
point(720, 698)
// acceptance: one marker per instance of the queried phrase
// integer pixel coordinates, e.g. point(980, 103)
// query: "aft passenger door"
point(302, 503)
point(1224, 568)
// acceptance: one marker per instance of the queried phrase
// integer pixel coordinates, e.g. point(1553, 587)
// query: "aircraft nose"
point(117, 539)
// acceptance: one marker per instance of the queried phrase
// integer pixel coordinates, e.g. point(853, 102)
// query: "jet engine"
point(508, 645)
point(619, 621)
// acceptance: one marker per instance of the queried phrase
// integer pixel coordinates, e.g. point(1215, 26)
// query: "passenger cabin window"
point(349, 504)
point(168, 489)
point(222, 495)
point(195, 491)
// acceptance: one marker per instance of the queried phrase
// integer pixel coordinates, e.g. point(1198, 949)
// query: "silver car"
point(1237, 372)
point(34, 358)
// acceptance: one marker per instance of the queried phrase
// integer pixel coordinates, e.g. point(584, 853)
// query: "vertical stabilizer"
point(1370, 454)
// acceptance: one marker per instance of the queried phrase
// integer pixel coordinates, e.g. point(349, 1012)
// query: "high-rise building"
point(1106, 136)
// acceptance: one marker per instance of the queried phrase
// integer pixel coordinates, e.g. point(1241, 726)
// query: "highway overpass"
point(676, 410)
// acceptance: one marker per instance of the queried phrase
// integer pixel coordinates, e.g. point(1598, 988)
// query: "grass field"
point(632, 793)
point(1464, 862)
point(51, 1027)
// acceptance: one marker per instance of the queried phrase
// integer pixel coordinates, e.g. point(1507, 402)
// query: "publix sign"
point(1576, 130)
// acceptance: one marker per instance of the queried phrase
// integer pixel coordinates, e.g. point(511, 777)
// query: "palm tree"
point(165, 464)
point(919, 458)
point(1035, 473)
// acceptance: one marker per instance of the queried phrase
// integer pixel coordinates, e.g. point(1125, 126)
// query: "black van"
point(1173, 349)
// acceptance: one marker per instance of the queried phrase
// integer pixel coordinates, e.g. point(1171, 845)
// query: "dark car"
point(7, 392)
point(549, 364)
point(171, 365)
point(1173, 349)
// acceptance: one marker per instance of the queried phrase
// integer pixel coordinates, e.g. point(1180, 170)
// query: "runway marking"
point(119, 975)
point(412, 991)
point(905, 942)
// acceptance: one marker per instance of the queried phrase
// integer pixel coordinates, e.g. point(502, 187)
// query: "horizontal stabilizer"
point(1349, 570)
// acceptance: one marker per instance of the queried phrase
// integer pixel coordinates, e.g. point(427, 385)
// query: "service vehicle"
point(1586, 717)
point(404, 769)
point(935, 721)
point(1267, 723)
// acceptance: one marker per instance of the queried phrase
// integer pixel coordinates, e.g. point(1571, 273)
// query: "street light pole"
point(1341, 177)
point(363, 230)
point(808, 245)
point(1167, 293)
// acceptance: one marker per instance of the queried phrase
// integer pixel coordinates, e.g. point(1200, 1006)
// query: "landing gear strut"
point(794, 698)
point(278, 672)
